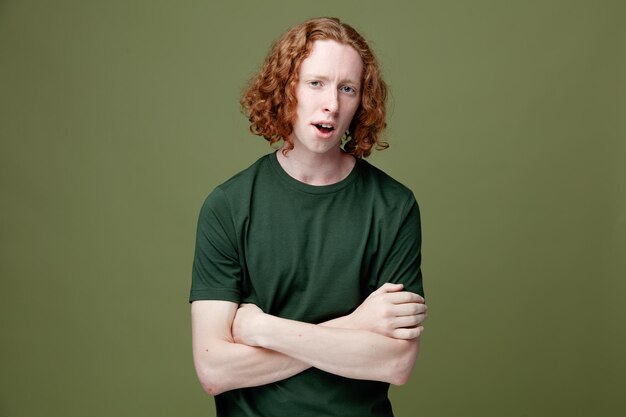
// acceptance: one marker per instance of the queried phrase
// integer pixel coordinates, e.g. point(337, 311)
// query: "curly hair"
point(270, 101)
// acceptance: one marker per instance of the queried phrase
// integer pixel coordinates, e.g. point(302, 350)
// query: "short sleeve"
point(216, 272)
point(403, 262)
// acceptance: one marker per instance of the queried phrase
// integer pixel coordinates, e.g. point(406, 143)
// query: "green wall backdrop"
point(507, 120)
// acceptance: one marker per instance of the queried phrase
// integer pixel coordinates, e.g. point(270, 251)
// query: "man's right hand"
point(391, 312)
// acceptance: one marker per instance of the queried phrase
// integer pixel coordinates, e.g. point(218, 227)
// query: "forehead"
point(334, 60)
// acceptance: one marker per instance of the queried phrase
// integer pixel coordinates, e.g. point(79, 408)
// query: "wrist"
point(259, 335)
point(343, 322)
point(248, 324)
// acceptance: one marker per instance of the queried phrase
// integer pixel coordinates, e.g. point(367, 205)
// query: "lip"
point(324, 122)
point(324, 135)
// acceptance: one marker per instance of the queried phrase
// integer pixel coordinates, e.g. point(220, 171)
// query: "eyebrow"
point(325, 78)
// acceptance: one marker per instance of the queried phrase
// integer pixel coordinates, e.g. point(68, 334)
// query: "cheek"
point(351, 109)
point(301, 115)
point(303, 104)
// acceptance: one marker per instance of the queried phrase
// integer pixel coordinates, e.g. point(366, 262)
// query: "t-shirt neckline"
point(313, 189)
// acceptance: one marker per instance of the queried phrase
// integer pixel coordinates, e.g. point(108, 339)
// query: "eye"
point(315, 84)
point(348, 89)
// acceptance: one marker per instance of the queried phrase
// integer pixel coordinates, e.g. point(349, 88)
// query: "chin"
point(324, 148)
point(316, 145)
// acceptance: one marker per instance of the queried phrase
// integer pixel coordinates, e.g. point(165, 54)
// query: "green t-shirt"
point(307, 253)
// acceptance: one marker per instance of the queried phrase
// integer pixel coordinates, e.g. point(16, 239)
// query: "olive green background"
point(507, 119)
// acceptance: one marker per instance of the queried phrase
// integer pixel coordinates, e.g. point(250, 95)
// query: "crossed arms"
point(240, 346)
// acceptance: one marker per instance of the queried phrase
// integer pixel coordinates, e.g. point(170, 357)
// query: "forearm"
point(223, 365)
point(351, 353)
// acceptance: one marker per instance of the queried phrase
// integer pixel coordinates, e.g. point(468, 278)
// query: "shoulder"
point(228, 201)
point(384, 186)
point(247, 176)
point(239, 185)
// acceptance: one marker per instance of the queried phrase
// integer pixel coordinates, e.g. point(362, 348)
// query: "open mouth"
point(324, 128)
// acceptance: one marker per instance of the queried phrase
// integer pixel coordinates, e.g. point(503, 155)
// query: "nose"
point(331, 101)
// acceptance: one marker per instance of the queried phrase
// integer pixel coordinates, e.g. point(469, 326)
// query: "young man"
point(306, 289)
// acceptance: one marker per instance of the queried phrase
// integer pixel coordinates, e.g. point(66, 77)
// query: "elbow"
point(403, 363)
point(210, 380)
point(211, 388)
point(400, 378)
point(401, 374)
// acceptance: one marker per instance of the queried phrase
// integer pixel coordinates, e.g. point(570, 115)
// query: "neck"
point(317, 169)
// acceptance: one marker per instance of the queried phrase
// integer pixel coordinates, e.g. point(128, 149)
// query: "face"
point(328, 94)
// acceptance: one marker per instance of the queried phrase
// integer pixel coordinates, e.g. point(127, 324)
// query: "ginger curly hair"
point(270, 101)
